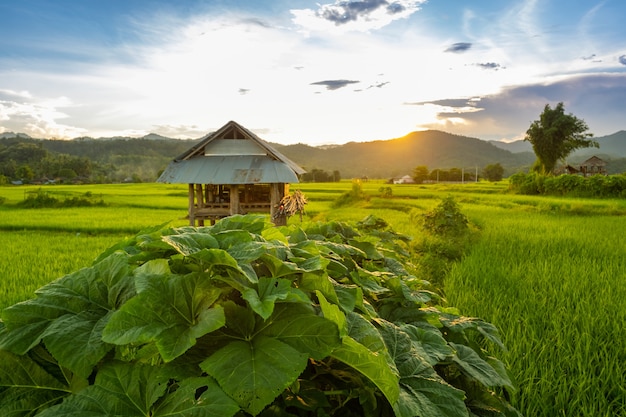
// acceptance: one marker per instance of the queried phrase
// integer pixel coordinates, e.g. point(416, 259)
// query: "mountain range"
point(376, 159)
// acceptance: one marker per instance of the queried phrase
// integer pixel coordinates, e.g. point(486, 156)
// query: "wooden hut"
point(593, 166)
point(232, 171)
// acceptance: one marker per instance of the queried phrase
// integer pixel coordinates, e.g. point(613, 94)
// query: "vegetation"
point(319, 320)
point(547, 271)
point(601, 186)
point(556, 135)
point(493, 172)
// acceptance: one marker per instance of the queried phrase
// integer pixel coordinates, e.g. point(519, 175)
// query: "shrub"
point(243, 318)
point(355, 195)
point(445, 219)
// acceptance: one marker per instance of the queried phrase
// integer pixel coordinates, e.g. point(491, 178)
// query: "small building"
point(407, 179)
point(592, 166)
point(232, 171)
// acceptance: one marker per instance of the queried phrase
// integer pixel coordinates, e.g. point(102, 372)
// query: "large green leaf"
point(422, 391)
point(25, 387)
point(121, 389)
point(254, 372)
point(371, 364)
point(269, 290)
point(300, 327)
point(76, 341)
point(473, 365)
point(171, 310)
point(190, 243)
point(428, 342)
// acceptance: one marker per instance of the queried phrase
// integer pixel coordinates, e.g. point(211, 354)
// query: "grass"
point(550, 272)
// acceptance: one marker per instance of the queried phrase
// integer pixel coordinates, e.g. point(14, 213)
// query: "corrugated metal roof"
point(242, 169)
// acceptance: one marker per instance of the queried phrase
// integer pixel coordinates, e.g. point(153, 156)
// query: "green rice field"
point(549, 272)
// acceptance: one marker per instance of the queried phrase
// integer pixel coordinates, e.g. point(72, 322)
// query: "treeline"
point(491, 172)
point(85, 160)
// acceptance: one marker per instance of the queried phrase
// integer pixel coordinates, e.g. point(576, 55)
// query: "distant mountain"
point(377, 159)
point(398, 157)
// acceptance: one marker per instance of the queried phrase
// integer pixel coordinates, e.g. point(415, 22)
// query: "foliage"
point(596, 186)
point(248, 319)
point(556, 135)
point(493, 172)
point(319, 175)
point(43, 199)
point(355, 195)
point(386, 192)
point(420, 174)
point(445, 219)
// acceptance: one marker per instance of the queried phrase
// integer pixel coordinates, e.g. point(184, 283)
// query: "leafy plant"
point(446, 218)
point(243, 318)
point(355, 195)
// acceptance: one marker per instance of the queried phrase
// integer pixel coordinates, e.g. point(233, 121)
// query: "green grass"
point(550, 272)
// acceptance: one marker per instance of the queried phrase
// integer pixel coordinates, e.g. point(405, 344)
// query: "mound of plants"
point(244, 318)
point(602, 186)
point(44, 199)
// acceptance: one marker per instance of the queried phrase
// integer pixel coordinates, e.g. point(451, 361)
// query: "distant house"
point(232, 171)
point(407, 179)
point(592, 166)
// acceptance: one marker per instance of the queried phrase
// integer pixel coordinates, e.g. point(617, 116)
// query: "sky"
point(309, 72)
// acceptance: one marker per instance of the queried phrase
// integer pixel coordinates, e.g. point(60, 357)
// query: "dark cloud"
point(622, 59)
point(334, 84)
point(489, 66)
point(244, 91)
point(597, 99)
point(459, 47)
point(349, 11)
point(590, 57)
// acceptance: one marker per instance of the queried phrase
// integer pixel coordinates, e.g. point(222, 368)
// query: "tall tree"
point(556, 135)
point(420, 174)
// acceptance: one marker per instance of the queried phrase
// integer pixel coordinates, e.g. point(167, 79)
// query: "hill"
point(123, 157)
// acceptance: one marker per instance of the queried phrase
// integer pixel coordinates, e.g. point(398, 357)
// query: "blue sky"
point(312, 72)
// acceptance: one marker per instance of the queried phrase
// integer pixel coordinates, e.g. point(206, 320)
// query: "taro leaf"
point(230, 238)
point(364, 332)
point(171, 310)
point(25, 387)
point(279, 268)
point(128, 390)
point(429, 396)
point(368, 248)
point(97, 289)
point(333, 313)
point(428, 342)
point(422, 391)
point(476, 367)
point(246, 252)
point(371, 364)
point(460, 324)
point(190, 243)
point(256, 371)
point(269, 290)
point(76, 343)
point(319, 281)
point(251, 223)
point(219, 261)
point(350, 296)
point(184, 402)
point(300, 327)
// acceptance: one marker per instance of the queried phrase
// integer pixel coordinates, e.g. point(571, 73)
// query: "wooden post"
point(192, 218)
point(234, 199)
point(277, 192)
point(200, 204)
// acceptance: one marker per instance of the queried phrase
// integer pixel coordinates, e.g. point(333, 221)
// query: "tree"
point(420, 174)
point(493, 172)
point(556, 135)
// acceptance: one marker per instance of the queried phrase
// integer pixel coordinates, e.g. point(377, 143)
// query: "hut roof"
point(231, 155)
point(594, 161)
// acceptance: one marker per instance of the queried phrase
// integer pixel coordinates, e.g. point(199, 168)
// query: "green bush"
point(445, 219)
point(355, 195)
point(244, 318)
point(533, 183)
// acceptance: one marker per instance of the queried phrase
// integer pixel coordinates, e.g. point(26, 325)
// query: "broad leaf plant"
point(243, 318)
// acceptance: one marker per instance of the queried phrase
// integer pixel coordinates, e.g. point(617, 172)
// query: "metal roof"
point(241, 169)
